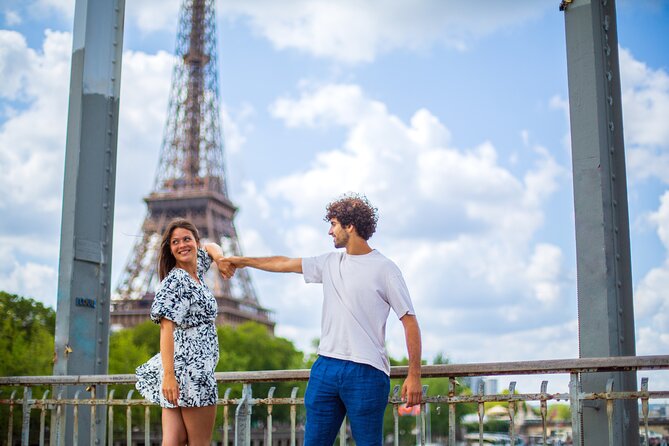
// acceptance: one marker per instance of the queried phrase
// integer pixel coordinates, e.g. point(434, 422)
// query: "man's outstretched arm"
point(412, 390)
point(275, 264)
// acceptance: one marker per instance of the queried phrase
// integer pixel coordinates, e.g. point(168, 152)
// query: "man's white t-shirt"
point(358, 293)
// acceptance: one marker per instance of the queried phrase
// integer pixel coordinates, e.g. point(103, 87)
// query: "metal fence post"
point(25, 429)
point(42, 418)
point(270, 406)
point(644, 406)
point(481, 410)
point(128, 418)
point(293, 415)
point(226, 417)
point(10, 422)
point(576, 409)
point(512, 413)
point(452, 383)
point(243, 418)
point(396, 421)
point(110, 419)
point(544, 410)
point(421, 418)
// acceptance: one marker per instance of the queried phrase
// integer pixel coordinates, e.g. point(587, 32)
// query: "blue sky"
point(451, 116)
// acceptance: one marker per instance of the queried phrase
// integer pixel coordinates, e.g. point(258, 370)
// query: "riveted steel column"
point(82, 317)
point(604, 279)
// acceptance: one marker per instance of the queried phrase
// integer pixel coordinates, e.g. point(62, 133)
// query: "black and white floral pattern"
point(193, 309)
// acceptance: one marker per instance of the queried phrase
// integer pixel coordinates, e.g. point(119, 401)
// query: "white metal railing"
point(56, 405)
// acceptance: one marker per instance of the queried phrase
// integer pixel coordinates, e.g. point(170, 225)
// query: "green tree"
point(133, 346)
point(26, 336)
point(250, 346)
point(558, 412)
point(26, 348)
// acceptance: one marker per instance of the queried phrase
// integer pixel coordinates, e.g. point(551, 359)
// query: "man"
point(360, 286)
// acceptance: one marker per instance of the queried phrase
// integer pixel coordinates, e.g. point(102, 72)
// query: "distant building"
point(473, 382)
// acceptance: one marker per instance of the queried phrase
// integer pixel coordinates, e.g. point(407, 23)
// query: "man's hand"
point(226, 267)
point(235, 261)
point(412, 391)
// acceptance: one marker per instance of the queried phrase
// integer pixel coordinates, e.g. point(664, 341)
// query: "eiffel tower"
point(190, 183)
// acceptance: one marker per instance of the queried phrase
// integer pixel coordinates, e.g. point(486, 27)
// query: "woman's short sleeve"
point(171, 302)
point(203, 261)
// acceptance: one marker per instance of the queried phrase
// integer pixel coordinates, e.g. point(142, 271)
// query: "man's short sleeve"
point(312, 268)
point(398, 295)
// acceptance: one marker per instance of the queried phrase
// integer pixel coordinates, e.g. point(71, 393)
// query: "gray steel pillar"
point(604, 278)
point(82, 313)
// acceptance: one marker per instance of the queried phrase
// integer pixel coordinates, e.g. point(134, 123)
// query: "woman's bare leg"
point(199, 422)
point(174, 429)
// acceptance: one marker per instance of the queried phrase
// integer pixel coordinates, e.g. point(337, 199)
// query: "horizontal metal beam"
point(549, 366)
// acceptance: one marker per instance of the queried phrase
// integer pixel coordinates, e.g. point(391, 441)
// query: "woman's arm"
point(170, 388)
point(225, 267)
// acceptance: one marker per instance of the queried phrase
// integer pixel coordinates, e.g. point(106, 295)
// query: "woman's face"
point(183, 246)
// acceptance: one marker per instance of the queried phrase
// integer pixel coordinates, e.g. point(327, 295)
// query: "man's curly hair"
point(356, 210)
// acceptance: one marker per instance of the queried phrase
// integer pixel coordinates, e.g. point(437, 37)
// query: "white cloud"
point(14, 63)
point(651, 304)
point(544, 267)
point(46, 7)
point(645, 163)
point(645, 94)
point(661, 220)
point(384, 156)
point(153, 15)
point(646, 107)
point(33, 280)
point(236, 124)
point(645, 101)
point(27, 268)
point(32, 142)
point(33, 166)
point(353, 31)
point(12, 18)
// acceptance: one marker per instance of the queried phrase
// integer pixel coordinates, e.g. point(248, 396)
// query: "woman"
point(181, 377)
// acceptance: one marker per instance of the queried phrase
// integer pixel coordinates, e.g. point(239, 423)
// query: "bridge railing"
point(28, 405)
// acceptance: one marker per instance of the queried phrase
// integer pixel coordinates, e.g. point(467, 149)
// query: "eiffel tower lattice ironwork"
point(190, 182)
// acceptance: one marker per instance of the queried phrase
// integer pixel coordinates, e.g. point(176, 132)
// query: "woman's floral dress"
point(192, 307)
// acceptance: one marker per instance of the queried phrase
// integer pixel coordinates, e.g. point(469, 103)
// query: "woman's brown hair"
point(166, 260)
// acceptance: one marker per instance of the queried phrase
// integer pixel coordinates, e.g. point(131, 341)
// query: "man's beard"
point(340, 243)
